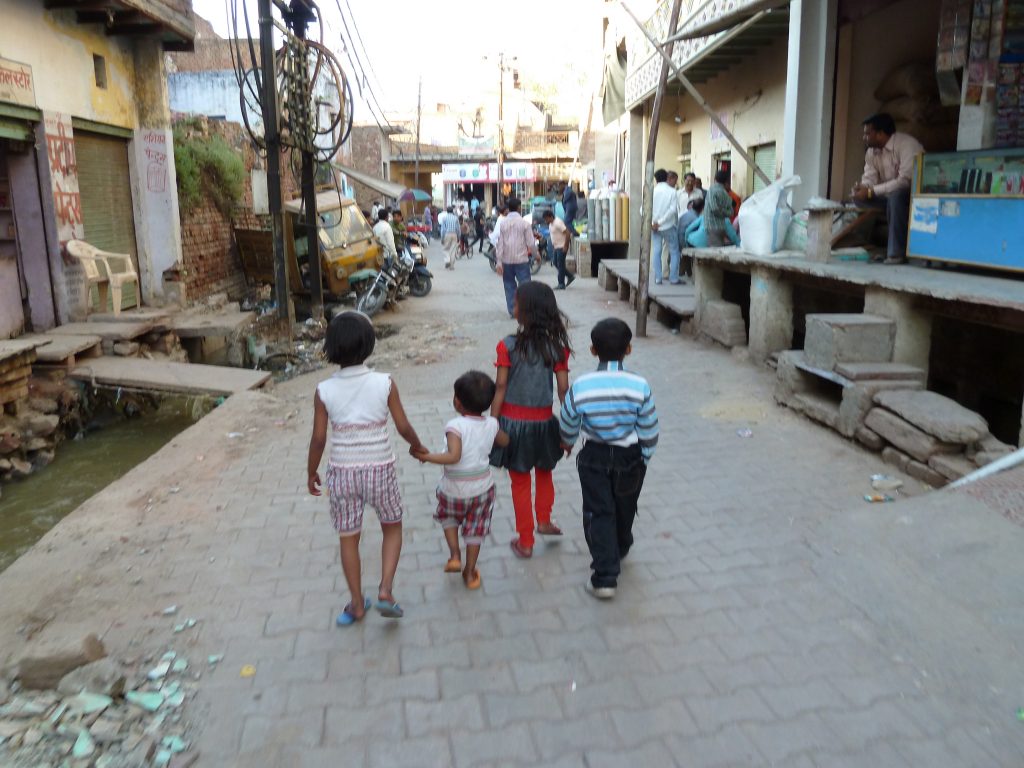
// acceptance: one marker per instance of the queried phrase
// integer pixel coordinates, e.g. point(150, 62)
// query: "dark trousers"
point(897, 212)
point(512, 276)
point(612, 478)
point(560, 265)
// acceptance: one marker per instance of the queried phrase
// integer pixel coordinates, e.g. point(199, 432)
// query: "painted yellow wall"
point(754, 119)
point(60, 52)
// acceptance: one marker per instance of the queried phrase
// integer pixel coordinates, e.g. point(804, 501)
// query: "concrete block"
point(951, 466)
point(788, 374)
point(881, 371)
point(771, 313)
point(925, 474)
point(723, 322)
point(624, 290)
point(816, 407)
point(906, 436)
point(939, 416)
point(990, 445)
point(859, 399)
point(898, 459)
point(869, 439)
point(839, 338)
point(606, 279)
point(913, 325)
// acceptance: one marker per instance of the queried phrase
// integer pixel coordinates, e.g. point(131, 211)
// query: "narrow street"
point(766, 616)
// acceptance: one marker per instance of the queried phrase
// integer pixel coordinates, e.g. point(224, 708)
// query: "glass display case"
point(968, 208)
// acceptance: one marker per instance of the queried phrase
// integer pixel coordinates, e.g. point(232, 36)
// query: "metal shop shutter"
point(764, 158)
point(106, 191)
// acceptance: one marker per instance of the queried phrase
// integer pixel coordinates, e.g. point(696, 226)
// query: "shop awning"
point(377, 184)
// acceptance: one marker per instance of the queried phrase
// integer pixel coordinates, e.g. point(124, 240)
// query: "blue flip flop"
point(347, 619)
point(389, 609)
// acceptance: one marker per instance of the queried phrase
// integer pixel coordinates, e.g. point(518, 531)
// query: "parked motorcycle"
point(420, 279)
point(390, 284)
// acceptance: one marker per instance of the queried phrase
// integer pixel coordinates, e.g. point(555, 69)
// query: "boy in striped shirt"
point(614, 410)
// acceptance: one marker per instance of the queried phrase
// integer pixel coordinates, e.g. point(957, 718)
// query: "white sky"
point(445, 42)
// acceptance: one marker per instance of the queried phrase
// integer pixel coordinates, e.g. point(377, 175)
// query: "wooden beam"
point(132, 29)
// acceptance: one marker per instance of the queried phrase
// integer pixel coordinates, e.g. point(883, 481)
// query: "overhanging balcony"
point(171, 21)
point(700, 58)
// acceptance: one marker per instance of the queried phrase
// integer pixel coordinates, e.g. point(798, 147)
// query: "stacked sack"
point(910, 93)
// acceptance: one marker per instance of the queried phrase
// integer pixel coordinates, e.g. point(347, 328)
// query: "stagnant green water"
point(31, 507)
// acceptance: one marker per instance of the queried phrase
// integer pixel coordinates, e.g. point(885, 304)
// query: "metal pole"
point(316, 287)
point(501, 127)
point(685, 82)
point(419, 106)
point(644, 278)
point(282, 294)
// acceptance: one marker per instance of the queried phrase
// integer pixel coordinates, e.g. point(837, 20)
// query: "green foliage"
point(206, 164)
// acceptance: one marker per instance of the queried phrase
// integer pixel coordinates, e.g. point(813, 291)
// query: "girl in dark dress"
point(529, 363)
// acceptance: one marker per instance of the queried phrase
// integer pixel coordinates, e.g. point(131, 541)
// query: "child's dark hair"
point(542, 325)
point(475, 390)
point(610, 338)
point(350, 339)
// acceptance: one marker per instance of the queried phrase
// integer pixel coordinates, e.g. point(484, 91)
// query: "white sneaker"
point(601, 593)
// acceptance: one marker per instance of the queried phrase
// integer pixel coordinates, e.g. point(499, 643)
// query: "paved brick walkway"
point(752, 627)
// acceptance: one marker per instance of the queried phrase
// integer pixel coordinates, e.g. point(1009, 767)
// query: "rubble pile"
point(155, 345)
point(85, 709)
point(931, 437)
point(33, 426)
point(845, 378)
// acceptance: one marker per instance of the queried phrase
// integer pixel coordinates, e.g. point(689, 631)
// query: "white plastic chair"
point(118, 271)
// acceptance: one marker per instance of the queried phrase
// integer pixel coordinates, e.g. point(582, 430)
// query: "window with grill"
point(685, 157)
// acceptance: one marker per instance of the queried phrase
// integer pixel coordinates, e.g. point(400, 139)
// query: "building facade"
point(85, 151)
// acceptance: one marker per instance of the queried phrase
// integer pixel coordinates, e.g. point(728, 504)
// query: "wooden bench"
point(117, 271)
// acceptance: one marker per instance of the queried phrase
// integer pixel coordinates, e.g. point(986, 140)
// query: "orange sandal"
point(472, 581)
point(454, 565)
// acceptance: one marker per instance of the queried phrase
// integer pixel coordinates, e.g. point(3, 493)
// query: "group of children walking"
point(505, 422)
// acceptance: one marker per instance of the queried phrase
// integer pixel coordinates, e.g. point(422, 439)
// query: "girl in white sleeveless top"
point(352, 408)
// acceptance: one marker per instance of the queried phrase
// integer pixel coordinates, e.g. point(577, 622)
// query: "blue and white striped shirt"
point(448, 224)
point(612, 406)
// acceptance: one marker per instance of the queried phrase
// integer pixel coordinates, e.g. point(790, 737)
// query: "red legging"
point(523, 503)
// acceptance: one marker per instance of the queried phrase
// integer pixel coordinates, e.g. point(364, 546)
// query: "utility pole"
point(272, 138)
point(419, 112)
point(299, 17)
point(644, 278)
point(501, 127)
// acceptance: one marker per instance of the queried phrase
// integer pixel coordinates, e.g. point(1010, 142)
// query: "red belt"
point(525, 412)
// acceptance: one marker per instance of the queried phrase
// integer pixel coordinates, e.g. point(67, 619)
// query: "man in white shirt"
point(501, 210)
point(385, 234)
point(888, 172)
point(663, 228)
point(448, 226)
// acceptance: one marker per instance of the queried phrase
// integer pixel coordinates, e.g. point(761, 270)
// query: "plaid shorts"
point(473, 513)
point(352, 488)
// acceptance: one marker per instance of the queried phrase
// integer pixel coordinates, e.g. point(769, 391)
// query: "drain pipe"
point(1008, 461)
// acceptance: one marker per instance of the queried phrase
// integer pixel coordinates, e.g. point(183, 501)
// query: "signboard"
point(16, 85)
point(464, 173)
point(486, 173)
point(476, 145)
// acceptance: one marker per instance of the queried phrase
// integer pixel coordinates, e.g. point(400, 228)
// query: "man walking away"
point(449, 228)
point(888, 170)
point(478, 225)
point(516, 246)
point(663, 228)
point(560, 247)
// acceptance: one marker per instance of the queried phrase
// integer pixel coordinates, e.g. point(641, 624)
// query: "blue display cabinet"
point(968, 208)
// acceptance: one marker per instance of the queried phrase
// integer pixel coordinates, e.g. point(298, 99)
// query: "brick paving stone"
point(426, 752)
point(422, 685)
point(713, 712)
point(652, 754)
point(779, 742)
point(491, 678)
point(449, 714)
point(261, 732)
point(507, 745)
point(505, 708)
point(349, 720)
point(728, 747)
point(570, 737)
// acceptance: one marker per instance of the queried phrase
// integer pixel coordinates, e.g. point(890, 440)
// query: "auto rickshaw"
point(349, 252)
